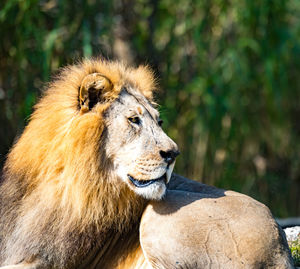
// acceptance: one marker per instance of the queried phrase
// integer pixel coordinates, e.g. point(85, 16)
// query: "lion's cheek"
point(121, 172)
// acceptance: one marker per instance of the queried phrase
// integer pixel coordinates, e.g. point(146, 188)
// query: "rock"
point(292, 233)
point(198, 226)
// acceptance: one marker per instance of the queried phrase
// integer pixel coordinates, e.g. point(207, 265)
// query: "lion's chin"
point(154, 191)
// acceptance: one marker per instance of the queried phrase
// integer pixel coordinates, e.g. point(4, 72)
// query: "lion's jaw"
point(139, 145)
point(154, 188)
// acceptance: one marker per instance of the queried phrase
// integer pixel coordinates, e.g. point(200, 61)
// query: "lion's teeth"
point(169, 171)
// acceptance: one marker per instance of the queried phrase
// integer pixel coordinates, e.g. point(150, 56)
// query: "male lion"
point(76, 183)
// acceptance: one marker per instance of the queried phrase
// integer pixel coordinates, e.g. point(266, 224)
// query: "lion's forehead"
point(135, 102)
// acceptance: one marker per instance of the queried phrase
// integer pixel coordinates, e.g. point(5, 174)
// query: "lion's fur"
point(55, 180)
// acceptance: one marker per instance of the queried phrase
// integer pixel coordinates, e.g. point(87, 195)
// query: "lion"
point(89, 184)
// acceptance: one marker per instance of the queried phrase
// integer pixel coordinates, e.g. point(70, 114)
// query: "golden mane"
point(45, 162)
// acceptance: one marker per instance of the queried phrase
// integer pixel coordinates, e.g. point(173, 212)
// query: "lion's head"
point(141, 154)
point(95, 125)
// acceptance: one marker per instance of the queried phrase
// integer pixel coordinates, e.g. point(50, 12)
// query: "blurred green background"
point(229, 73)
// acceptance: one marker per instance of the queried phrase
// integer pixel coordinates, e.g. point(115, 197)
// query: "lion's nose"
point(169, 156)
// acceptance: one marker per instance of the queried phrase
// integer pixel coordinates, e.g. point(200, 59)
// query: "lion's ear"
point(92, 90)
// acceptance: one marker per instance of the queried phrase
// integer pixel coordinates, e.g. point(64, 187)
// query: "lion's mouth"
point(145, 183)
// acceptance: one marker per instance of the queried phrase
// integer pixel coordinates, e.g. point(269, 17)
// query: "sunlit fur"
point(55, 181)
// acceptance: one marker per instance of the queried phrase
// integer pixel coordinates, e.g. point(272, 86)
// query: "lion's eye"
point(160, 122)
point(135, 120)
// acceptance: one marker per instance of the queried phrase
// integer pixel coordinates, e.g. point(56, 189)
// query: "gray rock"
point(292, 233)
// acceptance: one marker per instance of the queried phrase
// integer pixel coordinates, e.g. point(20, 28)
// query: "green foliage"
point(229, 71)
point(295, 250)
